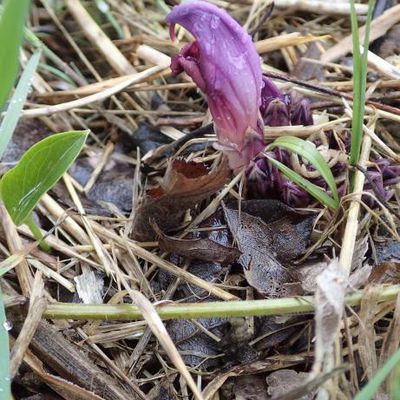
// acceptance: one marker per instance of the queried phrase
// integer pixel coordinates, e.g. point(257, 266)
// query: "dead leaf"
point(184, 185)
point(289, 231)
point(392, 335)
point(385, 273)
point(287, 384)
point(257, 367)
point(308, 273)
point(367, 336)
point(329, 306)
point(250, 388)
point(262, 270)
point(306, 70)
point(388, 252)
point(198, 349)
point(285, 380)
point(360, 250)
point(199, 249)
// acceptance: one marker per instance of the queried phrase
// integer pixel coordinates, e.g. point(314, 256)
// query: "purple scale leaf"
point(277, 113)
point(300, 112)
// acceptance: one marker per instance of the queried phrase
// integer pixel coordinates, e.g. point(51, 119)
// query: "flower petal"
point(231, 75)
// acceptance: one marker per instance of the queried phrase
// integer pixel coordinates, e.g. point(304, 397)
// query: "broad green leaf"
point(38, 171)
point(373, 385)
point(12, 23)
point(5, 392)
point(311, 154)
point(312, 189)
point(17, 102)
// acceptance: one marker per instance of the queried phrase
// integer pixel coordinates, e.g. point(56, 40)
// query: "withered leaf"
point(329, 307)
point(250, 388)
point(261, 268)
point(285, 380)
point(288, 384)
point(184, 185)
point(385, 273)
point(289, 231)
point(200, 249)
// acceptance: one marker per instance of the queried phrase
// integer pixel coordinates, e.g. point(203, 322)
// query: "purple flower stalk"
point(224, 64)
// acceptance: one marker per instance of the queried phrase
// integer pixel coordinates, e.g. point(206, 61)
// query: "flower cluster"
point(223, 62)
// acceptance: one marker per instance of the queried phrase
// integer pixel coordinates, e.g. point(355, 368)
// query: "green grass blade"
point(360, 68)
point(312, 189)
point(373, 385)
point(38, 171)
point(57, 73)
point(17, 103)
point(311, 154)
point(103, 7)
point(356, 132)
point(53, 57)
point(12, 23)
point(5, 392)
point(395, 384)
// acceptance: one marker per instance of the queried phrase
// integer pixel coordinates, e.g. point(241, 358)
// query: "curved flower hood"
point(224, 63)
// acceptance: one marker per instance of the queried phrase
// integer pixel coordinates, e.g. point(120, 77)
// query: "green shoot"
point(360, 69)
point(12, 23)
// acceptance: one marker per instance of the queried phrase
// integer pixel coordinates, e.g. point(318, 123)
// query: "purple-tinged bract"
point(224, 63)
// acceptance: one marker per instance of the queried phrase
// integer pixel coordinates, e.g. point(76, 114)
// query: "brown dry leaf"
point(391, 339)
point(288, 230)
point(329, 306)
point(250, 388)
point(386, 273)
point(309, 272)
point(306, 70)
point(283, 381)
point(367, 336)
point(257, 367)
point(184, 185)
point(198, 249)
point(360, 270)
point(256, 241)
point(389, 251)
point(387, 270)
point(288, 384)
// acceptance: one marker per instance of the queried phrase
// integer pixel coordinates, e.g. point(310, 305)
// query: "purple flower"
point(380, 177)
point(224, 64)
point(278, 109)
point(276, 113)
point(300, 112)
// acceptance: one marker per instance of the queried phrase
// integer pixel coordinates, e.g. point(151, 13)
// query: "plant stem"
point(4, 353)
point(290, 305)
point(37, 234)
